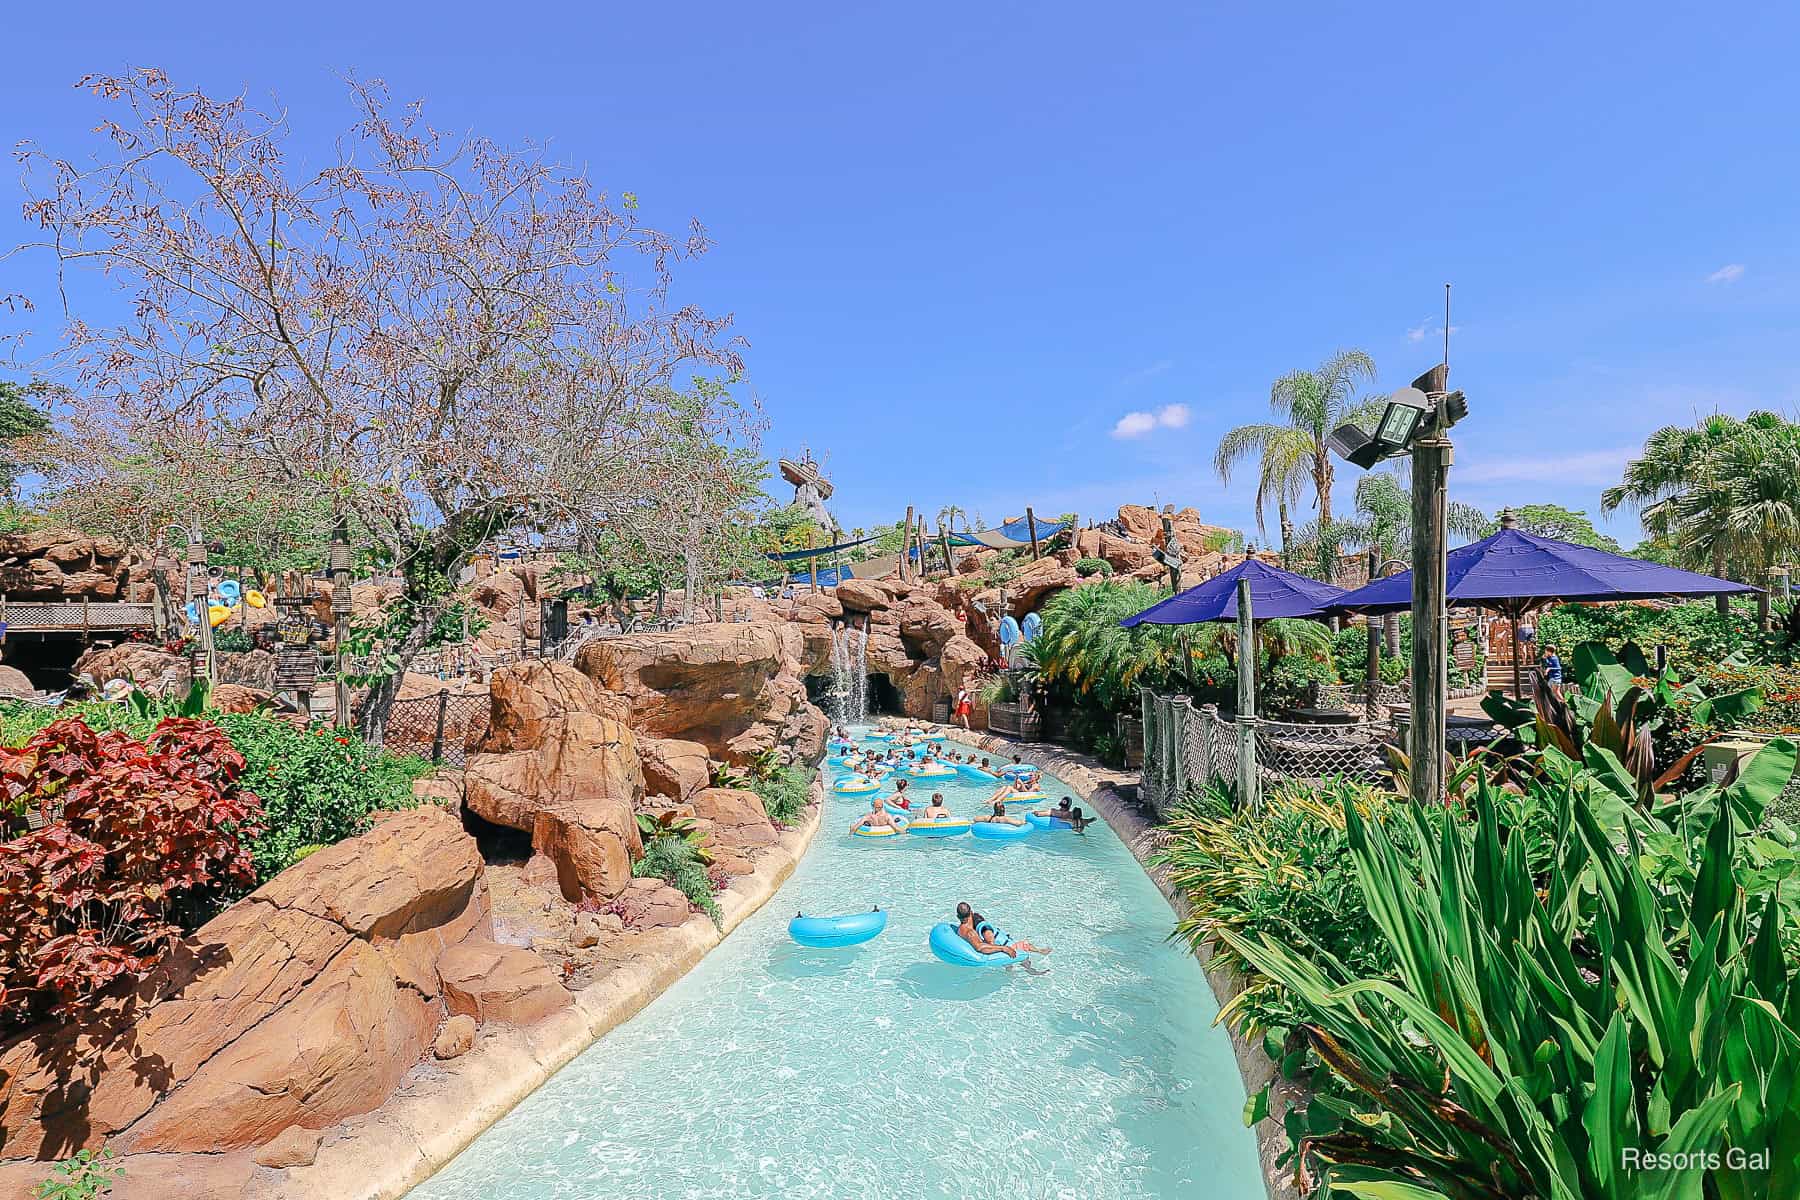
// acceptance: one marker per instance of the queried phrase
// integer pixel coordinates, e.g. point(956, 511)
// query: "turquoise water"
point(878, 1072)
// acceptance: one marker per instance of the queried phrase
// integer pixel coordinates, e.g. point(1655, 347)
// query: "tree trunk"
point(1721, 602)
point(1762, 597)
point(1390, 626)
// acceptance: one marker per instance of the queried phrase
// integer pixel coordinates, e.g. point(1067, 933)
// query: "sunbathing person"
point(975, 930)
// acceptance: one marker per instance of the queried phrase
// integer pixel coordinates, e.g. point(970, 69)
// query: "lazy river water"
point(878, 1072)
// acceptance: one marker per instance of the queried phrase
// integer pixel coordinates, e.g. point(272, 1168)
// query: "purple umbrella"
point(1273, 593)
point(1516, 572)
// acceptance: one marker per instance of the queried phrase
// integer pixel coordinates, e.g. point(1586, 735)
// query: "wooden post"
point(1431, 460)
point(944, 540)
point(1031, 528)
point(1372, 680)
point(922, 541)
point(1248, 789)
point(906, 543)
point(812, 543)
point(437, 736)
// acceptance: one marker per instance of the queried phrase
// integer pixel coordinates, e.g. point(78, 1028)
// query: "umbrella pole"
point(1518, 686)
point(1248, 797)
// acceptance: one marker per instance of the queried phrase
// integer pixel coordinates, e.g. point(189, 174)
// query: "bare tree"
point(442, 334)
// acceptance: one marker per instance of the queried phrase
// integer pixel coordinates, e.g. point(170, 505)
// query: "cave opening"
point(48, 659)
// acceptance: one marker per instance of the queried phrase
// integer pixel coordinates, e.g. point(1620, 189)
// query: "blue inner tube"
point(851, 929)
point(995, 831)
point(1017, 771)
point(1046, 822)
point(933, 771)
point(878, 737)
point(1026, 798)
point(975, 772)
point(930, 737)
point(950, 947)
point(855, 785)
point(895, 809)
point(943, 827)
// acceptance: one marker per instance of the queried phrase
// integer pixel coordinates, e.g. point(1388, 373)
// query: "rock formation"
point(560, 762)
point(734, 687)
point(62, 564)
point(305, 1003)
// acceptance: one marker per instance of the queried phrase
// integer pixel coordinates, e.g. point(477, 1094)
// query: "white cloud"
point(1137, 424)
point(1419, 333)
point(1134, 424)
point(1729, 273)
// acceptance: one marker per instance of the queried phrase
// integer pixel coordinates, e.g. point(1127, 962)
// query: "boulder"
point(455, 1039)
point(248, 668)
point(824, 605)
point(559, 763)
point(925, 626)
point(586, 931)
point(292, 1147)
point(150, 667)
point(591, 845)
point(673, 767)
point(738, 819)
point(1036, 583)
point(862, 595)
point(654, 904)
point(303, 1004)
point(490, 982)
point(733, 687)
point(236, 698)
point(14, 682)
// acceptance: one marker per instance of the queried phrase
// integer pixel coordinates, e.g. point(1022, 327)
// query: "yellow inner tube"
point(856, 786)
point(947, 823)
point(218, 614)
point(1022, 797)
point(866, 831)
point(256, 599)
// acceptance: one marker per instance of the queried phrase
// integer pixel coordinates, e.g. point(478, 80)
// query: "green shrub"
point(318, 785)
point(1556, 1008)
point(85, 1175)
point(785, 794)
point(1093, 566)
point(678, 861)
point(1284, 871)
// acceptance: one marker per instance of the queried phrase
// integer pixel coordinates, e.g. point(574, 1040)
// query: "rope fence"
point(1188, 746)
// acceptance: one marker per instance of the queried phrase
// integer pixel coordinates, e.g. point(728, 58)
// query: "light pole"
point(1417, 419)
point(200, 594)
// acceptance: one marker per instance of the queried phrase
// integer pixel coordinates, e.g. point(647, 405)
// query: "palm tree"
point(1291, 453)
point(1684, 493)
point(1383, 523)
point(1747, 509)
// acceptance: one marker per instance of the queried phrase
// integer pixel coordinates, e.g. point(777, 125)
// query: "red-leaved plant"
point(139, 836)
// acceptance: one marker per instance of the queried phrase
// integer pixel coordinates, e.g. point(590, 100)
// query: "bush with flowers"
point(318, 785)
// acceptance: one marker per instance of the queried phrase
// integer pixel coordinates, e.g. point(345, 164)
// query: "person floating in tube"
point(1027, 776)
point(975, 930)
point(899, 797)
point(999, 817)
point(876, 818)
point(1065, 811)
point(935, 811)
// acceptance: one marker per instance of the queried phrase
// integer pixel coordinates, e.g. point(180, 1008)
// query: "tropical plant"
point(1086, 567)
point(1084, 648)
point(785, 794)
point(1556, 1023)
point(85, 1175)
point(1712, 492)
point(1291, 453)
point(139, 839)
point(1610, 725)
point(653, 826)
point(1555, 521)
point(1283, 871)
point(676, 859)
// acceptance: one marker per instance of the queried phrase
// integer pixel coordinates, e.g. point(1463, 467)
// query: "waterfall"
point(849, 675)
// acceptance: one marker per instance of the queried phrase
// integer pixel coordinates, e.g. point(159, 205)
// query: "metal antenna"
point(1446, 325)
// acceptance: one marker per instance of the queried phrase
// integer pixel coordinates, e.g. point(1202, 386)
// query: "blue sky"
point(965, 241)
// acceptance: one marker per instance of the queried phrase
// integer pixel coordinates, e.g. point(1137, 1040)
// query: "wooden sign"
point(296, 668)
